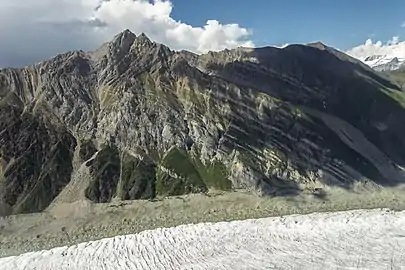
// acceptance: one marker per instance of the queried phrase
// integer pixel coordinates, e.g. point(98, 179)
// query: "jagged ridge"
point(135, 120)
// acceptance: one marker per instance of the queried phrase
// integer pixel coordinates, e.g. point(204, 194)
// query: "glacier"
point(358, 239)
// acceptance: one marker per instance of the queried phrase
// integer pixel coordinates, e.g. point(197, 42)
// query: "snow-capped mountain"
point(385, 62)
point(381, 57)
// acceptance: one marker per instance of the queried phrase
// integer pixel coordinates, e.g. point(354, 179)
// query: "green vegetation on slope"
point(396, 95)
point(105, 169)
point(130, 178)
point(178, 174)
point(214, 175)
point(397, 76)
point(137, 179)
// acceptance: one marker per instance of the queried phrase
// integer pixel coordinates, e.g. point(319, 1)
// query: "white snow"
point(379, 60)
point(383, 57)
point(384, 62)
point(362, 239)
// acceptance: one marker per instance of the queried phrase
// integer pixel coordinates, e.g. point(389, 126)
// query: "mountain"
point(382, 58)
point(385, 63)
point(136, 120)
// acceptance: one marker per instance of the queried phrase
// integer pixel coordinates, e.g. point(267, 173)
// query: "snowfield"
point(361, 239)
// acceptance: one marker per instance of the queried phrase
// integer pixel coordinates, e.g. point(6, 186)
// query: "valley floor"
point(358, 239)
point(70, 224)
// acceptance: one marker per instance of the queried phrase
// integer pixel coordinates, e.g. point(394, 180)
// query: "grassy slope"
point(189, 175)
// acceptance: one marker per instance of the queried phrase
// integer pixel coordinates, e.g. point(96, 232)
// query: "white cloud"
point(33, 30)
point(392, 48)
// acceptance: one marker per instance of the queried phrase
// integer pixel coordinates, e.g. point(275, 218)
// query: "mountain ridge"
point(135, 120)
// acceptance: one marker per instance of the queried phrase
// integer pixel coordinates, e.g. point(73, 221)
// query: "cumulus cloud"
point(393, 47)
point(34, 30)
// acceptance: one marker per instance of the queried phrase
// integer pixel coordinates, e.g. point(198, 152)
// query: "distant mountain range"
point(385, 62)
point(136, 120)
point(389, 57)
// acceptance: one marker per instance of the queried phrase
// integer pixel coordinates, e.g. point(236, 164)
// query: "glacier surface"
point(359, 239)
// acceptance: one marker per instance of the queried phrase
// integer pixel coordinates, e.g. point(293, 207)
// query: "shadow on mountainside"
point(359, 115)
point(300, 114)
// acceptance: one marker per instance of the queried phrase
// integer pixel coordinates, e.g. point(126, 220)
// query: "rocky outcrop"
point(36, 158)
point(135, 120)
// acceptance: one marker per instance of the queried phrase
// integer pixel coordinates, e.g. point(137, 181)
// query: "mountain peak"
point(143, 39)
point(318, 45)
point(124, 38)
point(395, 60)
point(143, 36)
point(125, 33)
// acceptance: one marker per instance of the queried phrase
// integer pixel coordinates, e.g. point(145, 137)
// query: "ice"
point(361, 239)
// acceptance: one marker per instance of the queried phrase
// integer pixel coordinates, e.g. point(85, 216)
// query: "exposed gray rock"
point(134, 120)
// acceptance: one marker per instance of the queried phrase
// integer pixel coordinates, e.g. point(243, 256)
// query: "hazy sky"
point(32, 30)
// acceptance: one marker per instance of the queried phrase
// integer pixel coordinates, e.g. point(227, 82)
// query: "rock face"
point(135, 120)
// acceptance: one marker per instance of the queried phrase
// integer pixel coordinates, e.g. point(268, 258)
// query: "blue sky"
point(342, 24)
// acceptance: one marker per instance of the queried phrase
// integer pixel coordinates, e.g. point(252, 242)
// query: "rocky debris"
point(135, 120)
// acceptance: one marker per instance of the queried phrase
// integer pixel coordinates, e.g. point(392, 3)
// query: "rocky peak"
point(116, 49)
point(124, 39)
point(143, 40)
point(319, 45)
point(395, 60)
point(142, 44)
